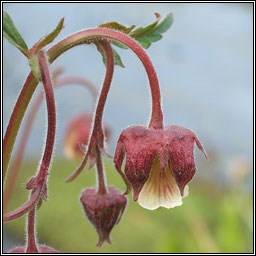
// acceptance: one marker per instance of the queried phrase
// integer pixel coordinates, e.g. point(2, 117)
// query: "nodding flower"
point(159, 163)
point(103, 210)
point(78, 134)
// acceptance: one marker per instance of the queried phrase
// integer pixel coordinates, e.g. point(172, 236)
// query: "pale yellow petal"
point(161, 189)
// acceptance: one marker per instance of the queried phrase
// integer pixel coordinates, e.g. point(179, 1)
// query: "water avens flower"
point(159, 163)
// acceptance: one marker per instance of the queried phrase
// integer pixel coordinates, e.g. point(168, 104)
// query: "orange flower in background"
point(78, 132)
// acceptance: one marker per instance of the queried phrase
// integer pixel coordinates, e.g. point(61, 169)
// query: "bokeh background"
point(205, 67)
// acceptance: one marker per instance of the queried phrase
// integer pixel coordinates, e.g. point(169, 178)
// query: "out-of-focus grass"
point(211, 220)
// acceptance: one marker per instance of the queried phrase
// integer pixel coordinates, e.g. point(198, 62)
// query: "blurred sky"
point(204, 64)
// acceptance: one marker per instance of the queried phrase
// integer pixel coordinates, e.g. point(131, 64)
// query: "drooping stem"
point(15, 166)
point(105, 88)
point(100, 172)
point(86, 36)
point(51, 110)
point(97, 127)
point(38, 184)
point(31, 240)
point(156, 121)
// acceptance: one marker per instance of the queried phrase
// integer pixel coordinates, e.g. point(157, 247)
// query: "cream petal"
point(161, 189)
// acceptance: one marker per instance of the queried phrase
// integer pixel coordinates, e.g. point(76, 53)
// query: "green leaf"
point(33, 59)
point(140, 32)
point(117, 58)
point(11, 33)
point(120, 45)
point(48, 38)
point(117, 26)
point(153, 32)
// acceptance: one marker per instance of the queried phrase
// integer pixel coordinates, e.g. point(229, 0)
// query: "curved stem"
point(156, 121)
point(16, 118)
point(15, 166)
point(78, 38)
point(38, 183)
point(31, 240)
point(97, 135)
point(51, 110)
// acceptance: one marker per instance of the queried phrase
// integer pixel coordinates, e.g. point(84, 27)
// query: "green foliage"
point(117, 58)
point(48, 38)
point(143, 35)
point(117, 26)
point(153, 32)
point(211, 220)
point(11, 33)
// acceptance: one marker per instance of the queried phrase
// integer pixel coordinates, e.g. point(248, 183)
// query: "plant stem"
point(15, 166)
point(38, 183)
point(16, 118)
point(156, 121)
point(50, 101)
point(97, 136)
point(86, 36)
point(100, 172)
point(31, 241)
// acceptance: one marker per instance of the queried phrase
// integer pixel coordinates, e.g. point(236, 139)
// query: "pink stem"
point(156, 121)
point(40, 180)
point(97, 128)
point(50, 102)
point(15, 167)
point(31, 241)
point(100, 172)
point(78, 38)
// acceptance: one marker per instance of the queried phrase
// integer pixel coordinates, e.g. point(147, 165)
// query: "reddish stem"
point(50, 102)
point(97, 128)
point(81, 37)
point(31, 241)
point(78, 38)
point(38, 183)
point(100, 172)
point(15, 167)
point(15, 120)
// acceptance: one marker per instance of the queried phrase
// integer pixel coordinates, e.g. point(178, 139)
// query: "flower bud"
point(103, 211)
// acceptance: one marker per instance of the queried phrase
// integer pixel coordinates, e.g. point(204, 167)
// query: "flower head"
point(159, 163)
point(77, 134)
point(103, 210)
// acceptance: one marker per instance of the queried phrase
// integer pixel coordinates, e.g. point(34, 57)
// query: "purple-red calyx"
point(159, 163)
point(103, 210)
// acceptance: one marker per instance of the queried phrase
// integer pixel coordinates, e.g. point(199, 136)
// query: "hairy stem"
point(38, 184)
point(31, 240)
point(100, 172)
point(96, 136)
point(156, 121)
point(51, 110)
point(15, 166)
point(86, 36)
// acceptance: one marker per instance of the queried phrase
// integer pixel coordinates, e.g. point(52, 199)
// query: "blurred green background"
point(212, 219)
point(205, 69)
